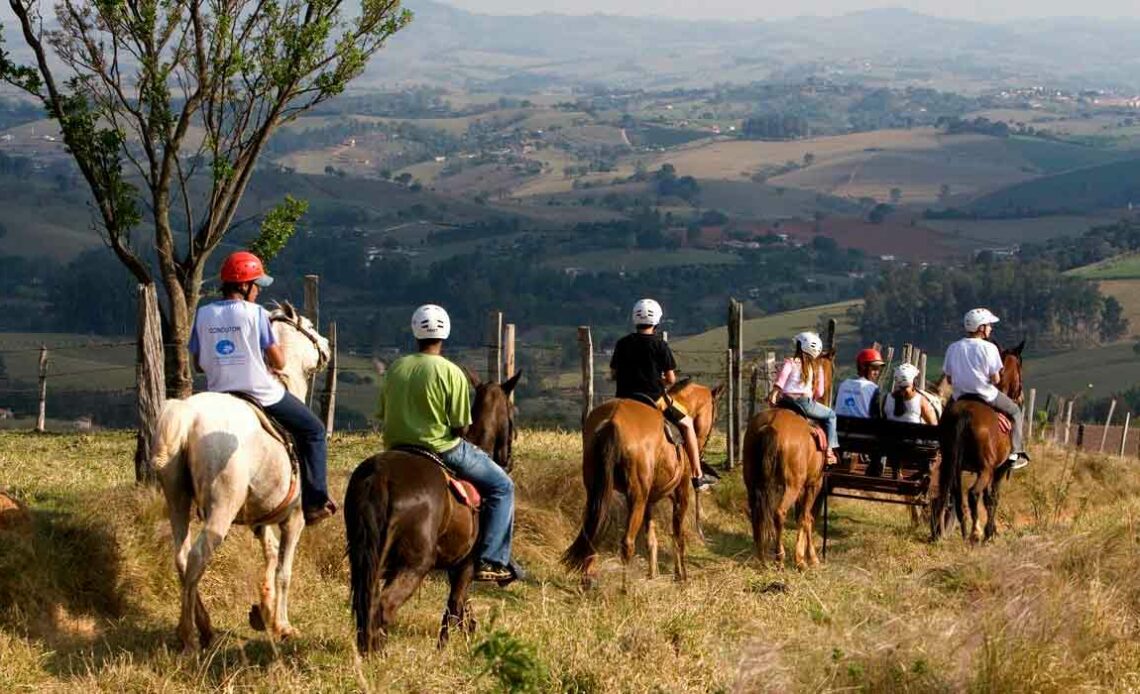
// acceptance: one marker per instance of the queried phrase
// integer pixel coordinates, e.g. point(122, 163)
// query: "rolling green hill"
point(1102, 187)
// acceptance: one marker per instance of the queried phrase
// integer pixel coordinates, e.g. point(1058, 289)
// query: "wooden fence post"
point(1107, 423)
point(509, 353)
point(829, 346)
point(41, 418)
point(753, 387)
point(328, 394)
point(1058, 421)
point(586, 350)
point(495, 347)
point(738, 378)
point(311, 309)
point(922, 371)
point(1124, 434)
point(1068, 420)
point(886, 376)
point(1030, 412)
point(150, 379)
point(906, 353)
point(1080, 436)
point(730, 414)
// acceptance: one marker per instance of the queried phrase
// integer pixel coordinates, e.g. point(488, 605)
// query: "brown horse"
point(972, 441)
point(403, 521)
point(784, 466)
point(624, 447)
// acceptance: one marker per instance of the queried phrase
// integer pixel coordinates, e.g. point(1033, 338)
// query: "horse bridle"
point(322, 356)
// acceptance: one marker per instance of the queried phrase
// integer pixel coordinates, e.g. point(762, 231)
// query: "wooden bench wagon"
point(884, 461)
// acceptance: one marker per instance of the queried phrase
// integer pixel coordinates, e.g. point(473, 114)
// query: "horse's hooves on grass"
point(287, 632)
point(256, 622)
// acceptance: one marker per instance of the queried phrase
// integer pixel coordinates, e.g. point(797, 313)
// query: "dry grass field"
point(88, 596)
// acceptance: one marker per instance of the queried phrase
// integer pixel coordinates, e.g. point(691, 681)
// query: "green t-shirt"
point(423, 397)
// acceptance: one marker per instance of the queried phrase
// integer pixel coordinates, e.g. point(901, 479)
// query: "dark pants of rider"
point(312, 448)
point(1009, 408)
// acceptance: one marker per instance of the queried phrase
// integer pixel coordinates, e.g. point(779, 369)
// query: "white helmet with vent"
point(810, 343)
point(976, 318)
point(647, 312)
point(905, 375)
point(431, 322)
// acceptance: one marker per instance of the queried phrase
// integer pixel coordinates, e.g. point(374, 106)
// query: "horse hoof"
point(256, 621)
point(286, 632)
point(589, 583)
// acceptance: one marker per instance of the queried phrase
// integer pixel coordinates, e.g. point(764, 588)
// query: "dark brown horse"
point(624, 448)
point(403, 521)
point(972, 441)
point(783, 467)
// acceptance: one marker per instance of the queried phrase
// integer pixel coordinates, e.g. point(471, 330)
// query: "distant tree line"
point(1034, 300)
point(775, 126)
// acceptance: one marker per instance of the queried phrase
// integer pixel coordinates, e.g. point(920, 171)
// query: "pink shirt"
point(790, 381)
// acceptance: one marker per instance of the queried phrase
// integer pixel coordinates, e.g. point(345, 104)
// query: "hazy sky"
point(986, 10)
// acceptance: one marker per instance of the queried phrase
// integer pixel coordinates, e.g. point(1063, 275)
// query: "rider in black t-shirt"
point(643, 367)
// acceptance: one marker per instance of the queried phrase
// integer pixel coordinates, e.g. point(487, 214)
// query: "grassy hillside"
point(1125, 267)
point(1112, 185)
point(1107, 369)
point(88, 598)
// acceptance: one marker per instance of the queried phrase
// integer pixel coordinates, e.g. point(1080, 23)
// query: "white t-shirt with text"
point(228, 340)
point(853, 398)
point(970, 364)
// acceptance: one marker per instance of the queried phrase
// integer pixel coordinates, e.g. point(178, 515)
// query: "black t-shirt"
point(639, 361)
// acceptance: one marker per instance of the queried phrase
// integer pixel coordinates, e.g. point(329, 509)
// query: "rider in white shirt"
point(973, 365)
point(859, 397)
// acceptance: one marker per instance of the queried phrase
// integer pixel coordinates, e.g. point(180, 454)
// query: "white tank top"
point(912, 409)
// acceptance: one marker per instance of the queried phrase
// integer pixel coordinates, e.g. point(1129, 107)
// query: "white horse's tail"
point(172, 433)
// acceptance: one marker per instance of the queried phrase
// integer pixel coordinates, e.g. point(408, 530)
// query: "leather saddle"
point(463, 491)
point(1004, 423)
point(817, 432)
point(672, 431)
point(272, 427)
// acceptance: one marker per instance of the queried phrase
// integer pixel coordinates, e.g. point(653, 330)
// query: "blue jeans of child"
point(821, 413)
point(312, 448)
point(497, 516)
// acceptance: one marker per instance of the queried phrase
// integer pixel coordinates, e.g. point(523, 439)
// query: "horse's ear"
point(509, 384)
point(474, 379)
point(1019, 349)
point(290, 312)
point(717, 390)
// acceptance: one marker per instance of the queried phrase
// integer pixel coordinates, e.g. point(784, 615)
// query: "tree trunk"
point(183, 303)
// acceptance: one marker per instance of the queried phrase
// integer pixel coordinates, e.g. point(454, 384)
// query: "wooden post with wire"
point(730, 414)
point(1068, 420)
point(736, 373)
point(1124, 434)
point(509, 353)
point(41, 417)
point(1107, 423)
point(311, 309)
point(328, 394)
point(922, 371)
point(495, 347)
point(150, 379)
point(753, 388)
point(829, 348)
point(1030, 415)
point(586, 350)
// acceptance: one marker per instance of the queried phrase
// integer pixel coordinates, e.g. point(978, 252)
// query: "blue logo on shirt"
point(225, 347)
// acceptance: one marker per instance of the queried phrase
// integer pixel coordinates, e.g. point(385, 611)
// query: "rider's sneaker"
point(703, 483)
point(709, 471)
point(1018, 461)
point(488, 571)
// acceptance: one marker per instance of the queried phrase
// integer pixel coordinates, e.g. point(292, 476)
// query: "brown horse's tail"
point(605, 455)
point(767, 492)
point(954, 436)
point(366, 526)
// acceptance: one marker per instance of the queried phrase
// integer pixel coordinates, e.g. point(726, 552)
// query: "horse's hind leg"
point(680, 509)
point(290, 535)
point(979, 486)
point(651, 542)
point(394, 593)
point(990, 498)
point(176, 486)
point(805, 547)
point(261, 615)
point(456, 615)
point(637, 506)
point(218, 522)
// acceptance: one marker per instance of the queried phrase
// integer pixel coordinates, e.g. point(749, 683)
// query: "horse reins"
point(322, 358)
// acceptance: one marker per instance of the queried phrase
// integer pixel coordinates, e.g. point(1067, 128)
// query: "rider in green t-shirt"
point(425, 400)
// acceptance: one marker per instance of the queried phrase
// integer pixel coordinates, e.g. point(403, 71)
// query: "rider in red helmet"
point(859, 397)
point(233, 345)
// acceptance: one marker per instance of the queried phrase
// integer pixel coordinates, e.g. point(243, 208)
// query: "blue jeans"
point(821, 413)
point(497, 517)
point(312, 448)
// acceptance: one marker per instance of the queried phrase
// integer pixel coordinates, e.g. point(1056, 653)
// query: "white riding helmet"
point(978, 317)
point(810, 343)
point(647, 312)
point(905, 375)
point(431, 322)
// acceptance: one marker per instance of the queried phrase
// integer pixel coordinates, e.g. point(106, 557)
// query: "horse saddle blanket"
point(271, 427)
point(1004, 423)
point(817, 432)
point(463, 491)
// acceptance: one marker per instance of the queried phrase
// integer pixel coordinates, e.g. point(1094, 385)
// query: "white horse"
point(213, 450)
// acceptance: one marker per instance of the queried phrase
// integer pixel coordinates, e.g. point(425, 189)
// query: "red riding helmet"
point(243, 266)
point(868, 357)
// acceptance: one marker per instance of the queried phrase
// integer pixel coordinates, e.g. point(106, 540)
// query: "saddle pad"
point(820, 437)
point(465, 492)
